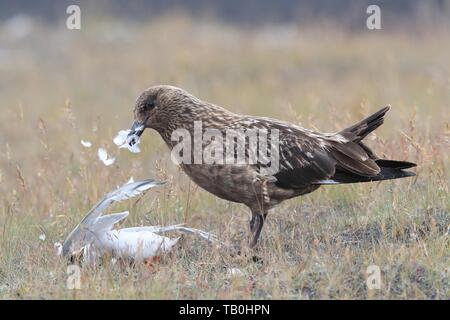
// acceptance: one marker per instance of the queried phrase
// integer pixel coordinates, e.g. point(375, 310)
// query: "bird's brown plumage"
point(307, 159)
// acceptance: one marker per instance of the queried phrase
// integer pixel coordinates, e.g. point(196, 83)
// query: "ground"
point(58, 87)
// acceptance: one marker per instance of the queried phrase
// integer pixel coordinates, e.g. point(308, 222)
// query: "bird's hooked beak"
point(136, 131)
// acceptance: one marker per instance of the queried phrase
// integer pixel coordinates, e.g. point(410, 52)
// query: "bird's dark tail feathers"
point(389, 169)
point(357, 163)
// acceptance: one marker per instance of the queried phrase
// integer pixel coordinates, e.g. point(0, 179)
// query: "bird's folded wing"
point(303, 155)
point(303, 161)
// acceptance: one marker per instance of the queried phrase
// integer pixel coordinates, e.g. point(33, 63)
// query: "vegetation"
point(58, 87)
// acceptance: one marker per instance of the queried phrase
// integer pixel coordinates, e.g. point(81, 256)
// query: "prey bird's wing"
point(154, 229)
point(179, 227)
point(106, 223)
point(202, 234)
point(82, 233)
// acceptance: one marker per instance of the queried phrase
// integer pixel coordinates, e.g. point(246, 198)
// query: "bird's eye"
point(149, 104)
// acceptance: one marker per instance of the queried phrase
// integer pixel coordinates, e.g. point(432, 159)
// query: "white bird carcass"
point(95, 236)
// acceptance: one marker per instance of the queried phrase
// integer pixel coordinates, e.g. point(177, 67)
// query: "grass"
point(59, 86)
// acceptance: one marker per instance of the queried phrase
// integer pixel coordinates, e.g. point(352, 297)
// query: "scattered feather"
point(58, 248)
point(42, 237)
point(103, 156)
point(86, 144)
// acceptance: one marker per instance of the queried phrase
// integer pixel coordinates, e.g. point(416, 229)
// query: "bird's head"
point(157, 106)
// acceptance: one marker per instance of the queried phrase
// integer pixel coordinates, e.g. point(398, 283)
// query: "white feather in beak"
point(123, 138)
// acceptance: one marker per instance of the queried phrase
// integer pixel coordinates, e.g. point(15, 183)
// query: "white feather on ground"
point(96, 236)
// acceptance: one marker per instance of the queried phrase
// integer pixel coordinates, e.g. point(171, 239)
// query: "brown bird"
point(306, 159)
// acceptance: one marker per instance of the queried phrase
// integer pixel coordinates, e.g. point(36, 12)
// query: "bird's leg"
point(256, 225)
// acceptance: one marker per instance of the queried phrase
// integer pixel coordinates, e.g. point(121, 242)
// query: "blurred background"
point(250, 12)
point(288, 59)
